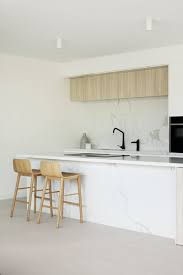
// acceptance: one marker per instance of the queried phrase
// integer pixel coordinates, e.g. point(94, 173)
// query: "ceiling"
point(88, 28)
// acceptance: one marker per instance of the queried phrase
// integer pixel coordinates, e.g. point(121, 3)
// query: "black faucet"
point(137, 143)
point(123, 138)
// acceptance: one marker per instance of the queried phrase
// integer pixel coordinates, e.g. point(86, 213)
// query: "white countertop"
point(145, 160)
point(117, 152)
point(124, 152)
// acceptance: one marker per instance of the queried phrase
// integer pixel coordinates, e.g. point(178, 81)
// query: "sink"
point(96, 155)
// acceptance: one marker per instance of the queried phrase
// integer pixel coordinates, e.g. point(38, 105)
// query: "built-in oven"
point(176, 134)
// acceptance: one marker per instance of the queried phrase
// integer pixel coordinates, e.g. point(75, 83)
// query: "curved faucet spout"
point(117, 130)
point(123, 138)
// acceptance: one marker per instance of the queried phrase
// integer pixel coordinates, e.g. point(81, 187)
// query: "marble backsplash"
point(143, 118)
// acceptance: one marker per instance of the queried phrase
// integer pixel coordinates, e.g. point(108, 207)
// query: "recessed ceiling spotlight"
point(149, 23)
point(59, 42)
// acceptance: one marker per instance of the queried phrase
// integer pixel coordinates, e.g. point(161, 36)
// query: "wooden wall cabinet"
point(126, 84)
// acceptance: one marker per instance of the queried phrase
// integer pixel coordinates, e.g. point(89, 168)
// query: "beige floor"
point(88, 249)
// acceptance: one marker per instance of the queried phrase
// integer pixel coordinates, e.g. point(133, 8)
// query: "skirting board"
point(8, 196)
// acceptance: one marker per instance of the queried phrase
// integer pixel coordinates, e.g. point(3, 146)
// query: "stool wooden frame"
point(23, 169)
point(52, 171)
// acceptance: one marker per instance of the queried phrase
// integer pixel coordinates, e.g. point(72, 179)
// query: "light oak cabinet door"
point(151, 82)
point(93, 90)
point(145, 83)
point(86, 88)
point(127, 84)
point(94, 87)
point(109, 85)
point(78, 88)
point(161, 81)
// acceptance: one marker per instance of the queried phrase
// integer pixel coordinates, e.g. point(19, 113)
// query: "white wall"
point(132, 60)
point(32, 113)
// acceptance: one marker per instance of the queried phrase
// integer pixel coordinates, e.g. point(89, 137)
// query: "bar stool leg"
point(15, 195)
point(63, 200)
point(60, 202)
point(30, 197)
point(42, 200)
point(51, 201)
point(80, 199)
point(35, 194)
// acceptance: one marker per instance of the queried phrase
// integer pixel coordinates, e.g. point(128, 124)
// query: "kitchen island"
point(139, 193)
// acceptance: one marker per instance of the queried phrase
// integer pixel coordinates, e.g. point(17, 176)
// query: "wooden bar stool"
point(23, 168)
point(51, 170)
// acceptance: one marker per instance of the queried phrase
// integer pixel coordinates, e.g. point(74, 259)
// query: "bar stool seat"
point(51, 171)
point(35, 172)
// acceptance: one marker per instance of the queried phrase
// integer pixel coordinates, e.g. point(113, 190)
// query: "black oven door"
point(176, 138)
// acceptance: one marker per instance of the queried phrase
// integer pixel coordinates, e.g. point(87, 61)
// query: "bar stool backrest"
point(22, 166)
point(50, 169)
